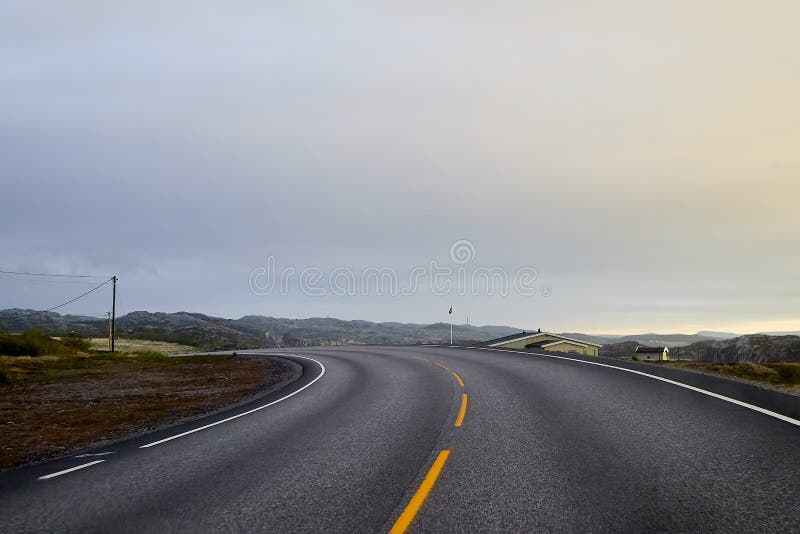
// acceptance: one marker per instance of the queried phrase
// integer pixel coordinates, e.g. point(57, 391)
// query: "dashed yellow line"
point(413, 507)
point(419, 497)
point(460, 382)
point(443, 366)
point(463, 411)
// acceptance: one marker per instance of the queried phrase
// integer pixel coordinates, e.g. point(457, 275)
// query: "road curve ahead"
point(427, 439)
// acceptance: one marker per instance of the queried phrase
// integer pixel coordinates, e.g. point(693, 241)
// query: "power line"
point(89, 315)
point(30, 280)
point(79, 296)
point(56, 275)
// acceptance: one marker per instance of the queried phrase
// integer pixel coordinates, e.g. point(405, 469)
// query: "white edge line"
point(248, 412)
point(89, 455)
point(753, 407)
point(70, 470)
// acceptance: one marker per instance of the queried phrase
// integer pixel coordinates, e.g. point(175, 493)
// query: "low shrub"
point(31, 343)
point(789, 372)
point(151, 356)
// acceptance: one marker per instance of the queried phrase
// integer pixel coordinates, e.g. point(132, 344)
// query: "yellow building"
point(545, 341)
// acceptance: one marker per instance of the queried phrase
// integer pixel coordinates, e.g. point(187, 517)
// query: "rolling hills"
point(257, 331)
point(251, 331)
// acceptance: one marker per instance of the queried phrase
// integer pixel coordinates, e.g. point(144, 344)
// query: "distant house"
point(544, 341)
point(654, 354)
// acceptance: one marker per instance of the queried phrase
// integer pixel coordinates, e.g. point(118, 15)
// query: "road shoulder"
point(744, 391)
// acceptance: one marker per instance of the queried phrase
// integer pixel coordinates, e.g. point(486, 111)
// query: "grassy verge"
point(31, 369)
point(784, 376)
point(55, 403)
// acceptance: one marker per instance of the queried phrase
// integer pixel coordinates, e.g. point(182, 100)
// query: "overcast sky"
point(642, 157)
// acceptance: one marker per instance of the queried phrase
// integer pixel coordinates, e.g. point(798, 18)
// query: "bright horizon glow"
point(741, 328)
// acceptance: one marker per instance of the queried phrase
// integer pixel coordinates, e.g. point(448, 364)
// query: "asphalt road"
point(541, 444)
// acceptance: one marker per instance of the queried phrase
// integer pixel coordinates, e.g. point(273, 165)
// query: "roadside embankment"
point(52, 405)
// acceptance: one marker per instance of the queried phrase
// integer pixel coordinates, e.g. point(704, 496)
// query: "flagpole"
point(450, 315)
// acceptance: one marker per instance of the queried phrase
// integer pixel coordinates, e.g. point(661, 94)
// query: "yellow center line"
point(463, 411)
point(419, 497)
point(460, 382)
point(442, 366)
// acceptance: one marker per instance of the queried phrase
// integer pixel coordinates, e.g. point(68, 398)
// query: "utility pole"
point(109, 330)
point(113, 311)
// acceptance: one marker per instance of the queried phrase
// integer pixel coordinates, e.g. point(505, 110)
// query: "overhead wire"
point(84, 281)
point(56, 275)
point(78, 297)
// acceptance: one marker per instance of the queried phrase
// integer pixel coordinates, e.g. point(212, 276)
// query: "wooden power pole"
point(113, 311)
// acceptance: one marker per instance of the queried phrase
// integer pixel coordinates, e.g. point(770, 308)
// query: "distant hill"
point(600, 340)
point(718, 335)
point(252, 331)
point(669, 340)
point(257, 331)
point(196, 330)
point(788, 333)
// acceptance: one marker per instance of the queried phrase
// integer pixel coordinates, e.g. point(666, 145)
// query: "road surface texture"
point(374, 439)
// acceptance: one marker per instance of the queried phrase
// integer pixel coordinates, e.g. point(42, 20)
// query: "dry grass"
point(784, 376)
point(54, 405)
point(139, 345)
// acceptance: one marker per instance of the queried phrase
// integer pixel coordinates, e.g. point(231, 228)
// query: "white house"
point(653, 354)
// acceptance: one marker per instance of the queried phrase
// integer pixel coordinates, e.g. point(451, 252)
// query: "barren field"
point(137, 345)
point(50, 406)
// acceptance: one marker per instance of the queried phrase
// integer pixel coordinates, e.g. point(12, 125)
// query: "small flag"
point(451, 311)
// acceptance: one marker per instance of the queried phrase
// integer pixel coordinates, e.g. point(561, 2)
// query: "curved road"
point(379, 437)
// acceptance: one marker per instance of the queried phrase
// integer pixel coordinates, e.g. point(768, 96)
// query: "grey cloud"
point(630, 152)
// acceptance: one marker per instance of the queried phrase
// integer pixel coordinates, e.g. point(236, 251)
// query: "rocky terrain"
point(755, 348)
point(650, 339)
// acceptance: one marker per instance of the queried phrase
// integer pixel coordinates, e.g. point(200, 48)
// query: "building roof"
point(511, 337)
point(530, 335)
point(651, 350)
